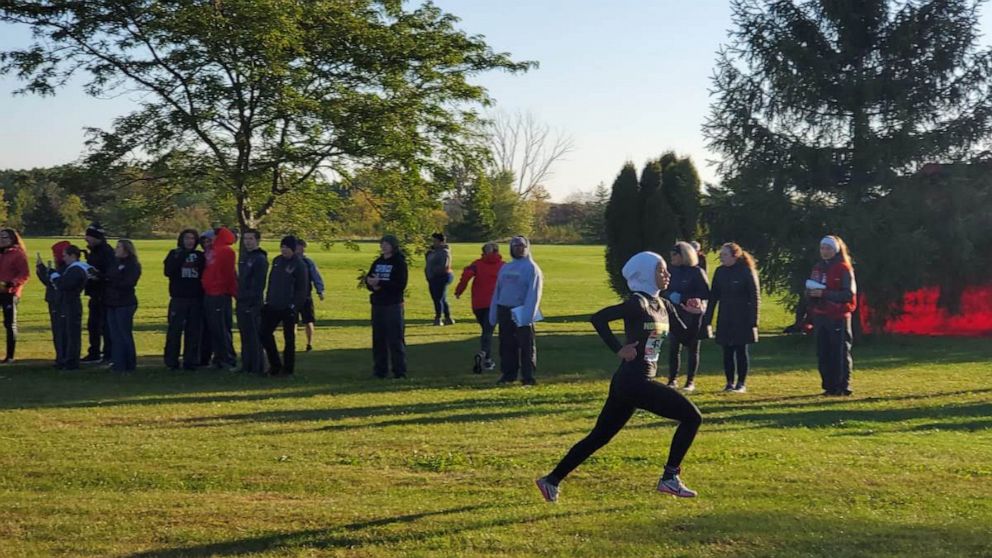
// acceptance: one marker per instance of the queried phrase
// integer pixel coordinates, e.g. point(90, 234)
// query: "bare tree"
point(519, 143)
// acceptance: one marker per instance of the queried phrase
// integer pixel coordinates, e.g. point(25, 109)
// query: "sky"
point(626, 79)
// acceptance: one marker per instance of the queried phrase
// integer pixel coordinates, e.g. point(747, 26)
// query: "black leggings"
point(9, 303)
point(675, 359)
point(628, 393)
point(736, 358)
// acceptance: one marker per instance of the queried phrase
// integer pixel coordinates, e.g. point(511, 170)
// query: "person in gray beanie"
point(387, 279)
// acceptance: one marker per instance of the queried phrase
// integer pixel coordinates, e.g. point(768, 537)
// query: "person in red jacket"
point(832, 292)
point(484, 272)
point(220, 286)
point(13, 274)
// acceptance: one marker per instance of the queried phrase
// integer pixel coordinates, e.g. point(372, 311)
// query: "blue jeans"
point(439, 294)
point(121, 322)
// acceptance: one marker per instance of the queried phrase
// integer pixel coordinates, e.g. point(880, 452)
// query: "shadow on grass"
point(357, 535)
point(433, 365)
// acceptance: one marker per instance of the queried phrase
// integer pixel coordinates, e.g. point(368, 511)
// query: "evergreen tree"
point(682, 190)
point(623, 227)
point(659, 224)
point(824, 109)
point(480, 217)
point(44, 218)
point(512, 215)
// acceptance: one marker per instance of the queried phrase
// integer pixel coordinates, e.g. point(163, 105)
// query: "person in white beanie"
point(831, 291)
point(646, 319)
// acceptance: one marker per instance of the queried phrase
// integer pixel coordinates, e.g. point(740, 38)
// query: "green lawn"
point(334, 463)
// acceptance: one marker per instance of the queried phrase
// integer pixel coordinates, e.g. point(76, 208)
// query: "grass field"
point(334, 463)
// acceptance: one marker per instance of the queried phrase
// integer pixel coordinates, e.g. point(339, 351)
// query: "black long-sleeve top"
point(646, 320)
point(392, 274)
point(121, 281)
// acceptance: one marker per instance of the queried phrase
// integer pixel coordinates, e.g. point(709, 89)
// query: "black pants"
point(438, 287)
point(675, 358)
point(185, 321)
point(250, 329)
point(206, 346)
point(220, 321)
point(58, 339)
point(736, 361)
point(9, 304)
point(388, 340)
point(517, 347)
point(833, 353)
point(271, 319)
point(628, 393)
point(99, 329)
point(71, 318)
point(486, 339)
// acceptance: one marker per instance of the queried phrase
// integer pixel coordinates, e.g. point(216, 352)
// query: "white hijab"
point(640, 271)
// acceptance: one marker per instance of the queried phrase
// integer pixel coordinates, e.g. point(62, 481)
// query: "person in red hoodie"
point(13, 274)
point(484, 272)
point(220, 286)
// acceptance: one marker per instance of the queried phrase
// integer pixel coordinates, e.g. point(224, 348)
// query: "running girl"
point(646, 323)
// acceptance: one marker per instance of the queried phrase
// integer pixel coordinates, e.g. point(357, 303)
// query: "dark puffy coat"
point(735, 290)
point(688, 282)
point(121, 281)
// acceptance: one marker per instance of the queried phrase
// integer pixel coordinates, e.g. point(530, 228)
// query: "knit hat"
point(829, 241)
point(520, 241)
point(58, 249)
point(289, 242)
point(209, 233)
point(96, 231)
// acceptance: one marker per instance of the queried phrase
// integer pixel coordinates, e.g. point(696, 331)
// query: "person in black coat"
point(688, 292)
point(735, 289)
point(100, 258)
point(289, 286)
point(70, 284)
point(386, 281)
point(56, 266)
point(252, 270)
point(184, 268)
point(122, 303)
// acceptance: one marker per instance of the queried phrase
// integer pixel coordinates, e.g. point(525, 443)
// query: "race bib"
point(652, 347)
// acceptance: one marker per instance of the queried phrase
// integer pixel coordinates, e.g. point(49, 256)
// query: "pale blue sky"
point(628, 79)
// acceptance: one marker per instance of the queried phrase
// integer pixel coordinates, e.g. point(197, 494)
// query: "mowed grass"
point(334, 463)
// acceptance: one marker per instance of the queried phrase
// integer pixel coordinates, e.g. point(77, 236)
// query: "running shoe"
point(448, 321)
point(674, 487)
point(740, 388)
point(690, 387)
point(728, 387)
point(489, 365)
point(548, 490)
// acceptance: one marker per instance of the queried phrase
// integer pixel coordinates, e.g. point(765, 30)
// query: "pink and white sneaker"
point(675, 487)
point(548, 490)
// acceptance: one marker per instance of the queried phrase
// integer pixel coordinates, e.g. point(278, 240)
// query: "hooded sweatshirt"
point(392, 274)
point(519, 283)
point(184, 268)
point(101, 258)
point(219, 276)
point(484, 271)
point(438, 262)
point(121, 282)
point(646, 317)
point(14, 269)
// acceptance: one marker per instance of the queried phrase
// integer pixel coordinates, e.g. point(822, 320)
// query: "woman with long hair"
point(14, 272)
point(735, 290)
point(646, 319)
point(832, 294)
point(121, 303)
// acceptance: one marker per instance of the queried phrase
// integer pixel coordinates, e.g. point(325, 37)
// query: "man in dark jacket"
point(289, 285)
point(100, 259)
point(387, 280)
point(252, 268)
point(52, 296)
point(184, 268)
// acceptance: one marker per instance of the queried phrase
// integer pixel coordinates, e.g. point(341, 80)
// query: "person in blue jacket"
point(308, 317)
point(515, 308)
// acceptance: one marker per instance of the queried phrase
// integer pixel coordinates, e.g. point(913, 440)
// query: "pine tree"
point(480, 217)
point(683, 190)
point(659, 224)
point(824, 109)
point(623, 229)
point(44, 218)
